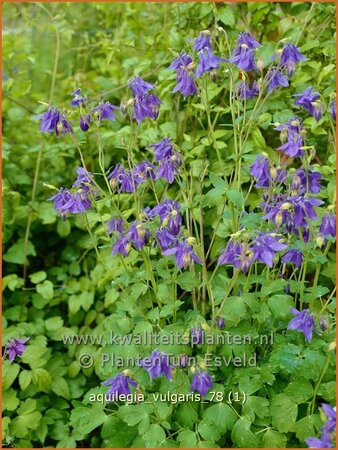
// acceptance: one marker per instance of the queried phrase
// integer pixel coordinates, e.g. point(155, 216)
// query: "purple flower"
point(165, 239)
point(260, 169)
point(168, 212)
point(143, 172)
point(119, 385)
point(290, 56)
point(197, 335)
point(202, 41)
point(275, 78)
point(138, 234)
point(122, 246)
point(231, 254)
point(185, 83)
point(53, 121)
point(162, 149)
point(85, 122)
point(245, 92)
point(115, 225)
point(265, 246)
point(303, 322)
point(328, 225)
point(333, 109)
point(330, 413)
point(220, 323)
point(84, 179)
point(292, 131)
point(303, 209)
point(308, 101)
point(127, 182)
point(157, 364)
point(15, 347)
point(146, 106)
point(207, 61)
point(139, 86)
point(184, 254)
point(323, 442)
point(306, 182)
point(78, 99)
point(245, 39)
point(293, 256)
point(77, 203)
point(169, 167)
point(243, 55)
point(105, 110)
point(60, 199)
point(201, 382)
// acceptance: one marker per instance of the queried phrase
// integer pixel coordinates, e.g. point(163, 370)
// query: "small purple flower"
point(162, 149)
point(231, 254)
point(328, 225)
point(243, 54)
point(330, 413)
point(138, 234)
point(293, 256)
point(185, 83)
point(196, 335)
point(85, 122)
point(54, 121)
point(293, 146)
point(290, 56)
point(304, 209)
point(169, 167)
point(105, 110)
point(201, 382)
point(260, 169)
point(77, 203)
point(333, 109)
point(323, 442)
point(84, 179)
point(115, 225)
point(146, 106)
point(142, 172)
point(166, 239)
point(170, 217)
point(202, 41)
point(122, 246)
point(265, 246)
point(247, 40)
point(60, 199)
point(139, 86)
point(275, 79)
point(220, 323)
point(15, 347)
point(78, 99)
point(184, 254)
point(308, 101)
point(207, 61)
point(303, 321)
point(119, 385)
point(157, 364)
point(306, 182)
point(245, 92)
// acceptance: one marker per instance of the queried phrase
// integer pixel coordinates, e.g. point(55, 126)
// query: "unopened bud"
point(320, 241)
point(260, 64)
point(285, 206)
point(191, 240)
point(279, 219)
point(330, 208)
point(273, 173)
point(130, 102)
point(205, 32)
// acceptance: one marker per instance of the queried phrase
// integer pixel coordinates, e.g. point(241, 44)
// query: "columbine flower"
point(139, 86)
point(184, 255)
point(138, 234)
point(122, 246)
point(54, 121)
point(265, 246)
point(60, 199)
point(220, 323)
point(303, 209)
point(207, 61)
point(231, 254)
point(105, 110)
point(77, 203)
point(333, 109)
point(303, 321)
point(303, 182)
point(308, 100)
point(293, 256)
point(260, 169)
point(290, 56)
point(243, 55)
point(162, 149)
point(293, 132)
point(85, 122)
point(119, 385)
point(165, 239)
point(328, 226)
point(202, 41)
point(201, 382)
point(169, 167)
point(146, 106)
point(185, 83)
point(84, 179)
point(170, 217)
point(15, 347)
point(324, 441)
point(245, 92)
point(275, 78)
point(142, 172)
point(78, 99)
point(157, 364)
point(197, 335)
point(115, 225)
point(330, 413)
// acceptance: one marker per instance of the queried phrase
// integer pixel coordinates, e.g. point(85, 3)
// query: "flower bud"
point(273, 173)
point(320, 241)
point(191, 240)
point(279, 219)
point(260, 64)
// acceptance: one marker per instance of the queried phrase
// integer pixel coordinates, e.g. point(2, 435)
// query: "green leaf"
point(221, 416)
point(86, 419)
point(53, 323)
point(41, 377)
point(63, 228)
point(187, 439)
point(133, 414)
point(188, 280)
point(16, 254)
point(9, 373)
point(274, 439)
point(208, 431)
point(46, 290)
point(10, 400)
point(280, 305)
point(236, 198)
point(307, 426)
point(256, 406)
point(154, 437)
point(299, 390)
point(226, 16)
point(38, 277)
point(25, 379)
point(242, 435)
point(283, 413)
point(60, 387)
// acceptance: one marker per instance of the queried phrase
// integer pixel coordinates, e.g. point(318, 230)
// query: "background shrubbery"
point(54, 283)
